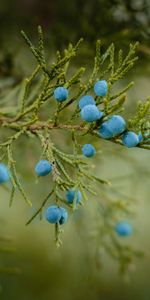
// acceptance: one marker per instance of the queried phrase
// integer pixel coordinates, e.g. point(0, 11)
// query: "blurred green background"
point(74, 272)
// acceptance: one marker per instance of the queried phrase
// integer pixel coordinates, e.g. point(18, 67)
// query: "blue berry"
point(61, 94)
point(101, 88)
point(53, 214)
point(88, 150)
point(116, 125)
point(71, 195)
point(90, 113)
point(113, 127)
point(104, 131)
point(130, 139)
point(64, 216)
point(4, 173)
point(43, 168)
point(86, 100)
point(144, 137)
point(123, 229)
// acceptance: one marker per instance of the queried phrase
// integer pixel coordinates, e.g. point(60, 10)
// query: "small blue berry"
point(64, 216)
point(61, 94)
point(101, 88)
point(90, 113)
point(130, 139)
point(104, 131)
point(116, 125)
point(86, 100)
point(4, 173)
point(123, 229)
point(43, 168)
point(53, 214)
point(71, 195)
point(144, 138)
point(88, 150)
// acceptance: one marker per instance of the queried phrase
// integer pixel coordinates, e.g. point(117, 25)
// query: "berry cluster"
point(59, 215)
point(87, 104)
point(108, 128)
point(114, 126)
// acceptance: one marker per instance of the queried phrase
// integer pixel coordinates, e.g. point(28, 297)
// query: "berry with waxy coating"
point(113, 127)
point(64, 216)
point(144, 137)
point(61, 94)
point(53, 214)
point(116, 125)
point(86, 100)
point(123, 229)
point(43, 168)
point(88, 150)
point(101, 88)
point(104, 131)
point(71, 195)
point(91, 113)
point(4, 173)
point(130, 139)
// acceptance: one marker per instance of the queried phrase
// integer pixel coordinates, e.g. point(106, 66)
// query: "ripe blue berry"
point(88, 150)
point(90, 113)
point(4, 173)
point(86, 100)
point(101, 88)
point(43, 168)
point(113, 127)
point(123, 229)
point(53, 214)
point(72, 195)
point(104, 131)
point(116, 125)
point(64, 216)
point(144, 137)
point(61, 94)
point(130, 139)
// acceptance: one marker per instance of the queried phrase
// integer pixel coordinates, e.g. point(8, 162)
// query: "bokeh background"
point(73, 271)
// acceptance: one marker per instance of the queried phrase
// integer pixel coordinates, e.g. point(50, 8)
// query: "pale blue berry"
point(72, 195)
point(91, 113)
point(101, 88)
point(144, 138)
point(116, 125)
point(130, 139)
point(104, 131)
point(4, 173)
point(61, 94)
point(88, 150)
point(123, 229)
point(53, 214)
point(86, 100)
point(43, 168)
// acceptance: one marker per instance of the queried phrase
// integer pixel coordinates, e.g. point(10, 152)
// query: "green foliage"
point(35, 115)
